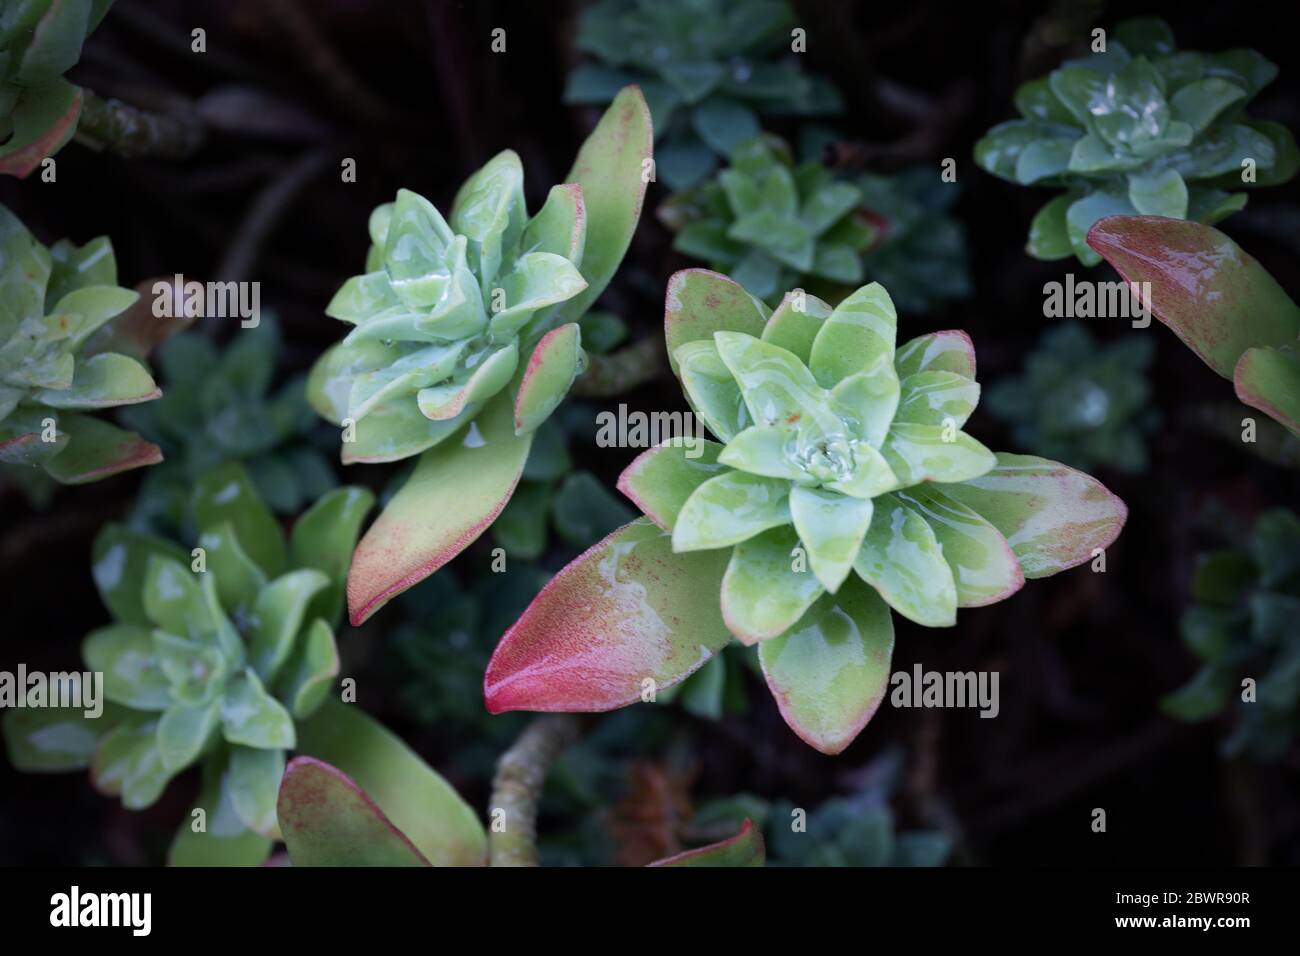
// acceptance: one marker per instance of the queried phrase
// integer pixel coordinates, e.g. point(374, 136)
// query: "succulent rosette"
point(465, 338)
point(1242, 624)
point(1219, 300)
point(842, 487)
point(70, 344)
point(772, 225)
point(40, 40)
point(1141, 128)
point(709, 69)
point(222, 657)
point(1085, 403)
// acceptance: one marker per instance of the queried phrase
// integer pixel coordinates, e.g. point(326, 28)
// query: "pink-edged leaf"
point(1269, 379)
point(626, 610)
point(828, 673)
point(455, 492)
point(97, 450)
point(137, 331)
point(700, 302)
point(417, 801)
point(44, 119)
point(560, 226)
point(1053, 516)
point(550, 372)
point(1215, 296)
point(660, 479)
point(613, 169)
point(327, 820)
point(947, 351)
point(744, 849)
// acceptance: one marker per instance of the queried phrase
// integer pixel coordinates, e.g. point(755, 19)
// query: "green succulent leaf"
point(768, 586)
point(555, 363)
point(127, 764)
point(55, 739)
point(418, 802)
point(278, 614)
point(254, 785)
point(744, 849)
point(225, 495)
point(124, 654)
point(307, 677)
point(829, 672)
point(252, 717)
point(120, 559)
point(903, 560)
point(224, 839)
point(324, 538)
point(660, 480)
point(984, 568)
point(729, 508)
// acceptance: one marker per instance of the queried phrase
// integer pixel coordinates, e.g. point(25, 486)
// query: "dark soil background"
point(1083, 657)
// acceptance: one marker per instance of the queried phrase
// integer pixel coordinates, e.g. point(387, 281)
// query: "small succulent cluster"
point(40, 40)
point(466, 338)
point(1080, 402)
point(214, 655)
point(62, 355)
point(771, 225)
point(707, 69)
point(843, 486)
point(218, 407)
point(1219, 300)
point(1139, 128)
point(441, 316)
point(857, 829)
point(1243, 624)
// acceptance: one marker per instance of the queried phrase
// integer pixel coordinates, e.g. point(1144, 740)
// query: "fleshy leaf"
point(762, 592)
point(254, 783)
point(239, 579)
point(554, 364)
point(859, 331)
point(455, 492)
point(984, 567)
point(224, 839)
point(1214, 295)
point(183, 732)
point(226, 494)
point(120, 558)
point(831, 527)
point(626, 610)
point(611, 169)
point(950, 351)
point(324, 538)
point(96, 450)
point(306, 679)
point(699, 303)
point(728, 509)
point(711, 389)
point(744, 849)
point(918, 453)
point(660, 479)
point(124, 654)
point(936, 398)
point(55, 739)
point(902, 559)
point(829, 672)
point(127, 764)
point(251, 716)
point(794, 324)
point(278, 614)
point(1053, 516)
point(329, 821)
point(1269, 379)
point(560, 226)
point(419, 802)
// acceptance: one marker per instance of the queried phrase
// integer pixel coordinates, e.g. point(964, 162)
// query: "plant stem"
point(622, 370)
point(132, 132)
point(517, 788)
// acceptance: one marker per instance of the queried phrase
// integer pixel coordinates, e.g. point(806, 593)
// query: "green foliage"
point(708, 69)
point(1080, 402)
point(40, 40)
point(218, 406)
point(1141, 128)
point(772, 225)
point(858, 829)
point(1242, 624)
point(214, 656)
point(62, 355)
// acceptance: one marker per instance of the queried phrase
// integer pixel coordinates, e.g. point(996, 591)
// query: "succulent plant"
point(1141, 128)
point(770, 224)
point(1219, 300)
point(842, 486)
point(218, 656)
point(40, 40)
point(1242, 624)
point(330, 819)
point(707, 69)
point(466, 339)
point(218, 407)
point(1083, 403)
point(69, 344)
